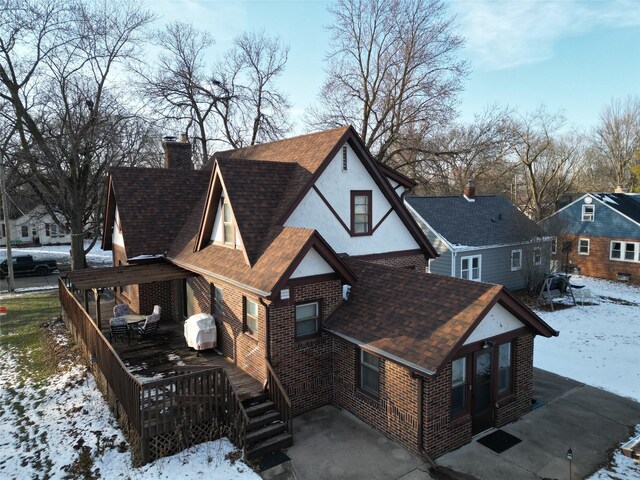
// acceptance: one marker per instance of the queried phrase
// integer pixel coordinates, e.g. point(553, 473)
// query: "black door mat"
point(499, 441)
point(273, 460)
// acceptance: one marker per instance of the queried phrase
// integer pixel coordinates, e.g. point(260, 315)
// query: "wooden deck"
point(153, 359)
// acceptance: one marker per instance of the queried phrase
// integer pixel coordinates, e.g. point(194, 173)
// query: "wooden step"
point(270, 445)
point(262, 420)
point(262, 397)
point(259, 408)
point(267, 431)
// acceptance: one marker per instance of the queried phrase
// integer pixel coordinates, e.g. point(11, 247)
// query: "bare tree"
point(233, 102)
point(550, 163)
point(617, 141)
point(393, 73)
point(57, 63)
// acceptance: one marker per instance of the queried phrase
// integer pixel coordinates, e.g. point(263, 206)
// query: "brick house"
point(598, 234)
point(308, 259)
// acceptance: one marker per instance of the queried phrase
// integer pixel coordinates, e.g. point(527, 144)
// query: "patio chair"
point(156, 309)
point(148, 328)
point(121, 310)
point(118, 327)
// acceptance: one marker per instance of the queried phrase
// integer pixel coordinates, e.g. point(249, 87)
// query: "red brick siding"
point(418, 261)
point(597, 263)
point(441, 432)
point(394, 412)
point(156, 293)
point(311, 386)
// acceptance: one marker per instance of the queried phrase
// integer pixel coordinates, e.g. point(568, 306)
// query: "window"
point(361, 213)
point(344, 159)
point(588, 213)
point(554, 245)
point(217, 301)
point(307, 319)
point(24, 231)
point(369, 373)
point(458, 385)
point(516, 260)
point(470, 267)
point(47, 230)
point(4, 231)
point(583, 246)
point(537, 256)
point(228, 223)
point(54, 230)
point(625, 251)
point(251, 316)
point(504, 368)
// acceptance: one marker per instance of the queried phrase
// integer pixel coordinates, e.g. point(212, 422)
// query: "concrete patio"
point(331, 443)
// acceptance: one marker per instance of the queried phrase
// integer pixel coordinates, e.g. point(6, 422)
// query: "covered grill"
point(200, 331)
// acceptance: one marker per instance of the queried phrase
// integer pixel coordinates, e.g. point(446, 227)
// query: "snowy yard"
point(96, 257)
point(59, 426)
point(598, 345)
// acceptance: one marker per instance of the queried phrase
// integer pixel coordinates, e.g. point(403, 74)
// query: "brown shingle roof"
point(152, 203)
point(415, 318)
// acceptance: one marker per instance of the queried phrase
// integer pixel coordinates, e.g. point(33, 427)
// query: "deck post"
point(86, 300)
point(96, 294)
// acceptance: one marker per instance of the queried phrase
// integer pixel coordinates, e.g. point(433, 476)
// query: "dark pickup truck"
point(26, 265)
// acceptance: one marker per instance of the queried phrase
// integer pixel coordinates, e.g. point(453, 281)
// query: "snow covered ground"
point(598, 345)
point(64, 429)
point(96, 257)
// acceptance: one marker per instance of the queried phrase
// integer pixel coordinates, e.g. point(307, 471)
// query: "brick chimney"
point(621, 189)
point(177, 153)
point(470, 191)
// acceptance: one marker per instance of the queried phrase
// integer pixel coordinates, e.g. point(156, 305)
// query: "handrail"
point(278, 395)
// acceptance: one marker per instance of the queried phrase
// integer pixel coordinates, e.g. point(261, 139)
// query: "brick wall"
point(394, 412)
point(597, 263)
point(304, 366)
point(414, 262)
point(441, 432)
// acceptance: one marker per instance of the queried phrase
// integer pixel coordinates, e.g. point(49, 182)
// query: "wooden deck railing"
point(191, 401)
point(279, 397)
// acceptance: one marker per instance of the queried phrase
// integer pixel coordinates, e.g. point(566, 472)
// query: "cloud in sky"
point(502, 34)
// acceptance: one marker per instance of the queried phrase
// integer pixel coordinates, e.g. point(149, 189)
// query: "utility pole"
point(5, 214)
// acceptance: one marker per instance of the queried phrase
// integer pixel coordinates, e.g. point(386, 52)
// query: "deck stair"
point(266, 432)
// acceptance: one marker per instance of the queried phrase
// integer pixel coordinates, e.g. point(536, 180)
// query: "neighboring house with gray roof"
point(484, 238)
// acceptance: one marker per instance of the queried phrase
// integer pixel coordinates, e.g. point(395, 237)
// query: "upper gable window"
point(344, 159)
point(227, 220)
point(588, 213)
point(361, 212)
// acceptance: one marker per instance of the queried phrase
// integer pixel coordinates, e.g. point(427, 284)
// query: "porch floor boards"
point(158, 358)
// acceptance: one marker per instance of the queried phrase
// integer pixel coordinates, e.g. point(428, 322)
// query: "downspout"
point(421, 449)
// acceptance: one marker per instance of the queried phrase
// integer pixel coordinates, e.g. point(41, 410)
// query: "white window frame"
point(371, 368)
point(250, 316)
point(623, 249)
point(470, 258)
point(537, 256)
point(554, 245)
point(588, 217)
point(580, 240)
point(227, 222)
point(519, 267)
point(315, 317)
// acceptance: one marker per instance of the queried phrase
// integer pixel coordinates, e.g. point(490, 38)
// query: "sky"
point(571, 56)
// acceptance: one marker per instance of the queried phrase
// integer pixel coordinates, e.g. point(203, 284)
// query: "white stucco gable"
point(498, 321)
point(117, 238)
point(327, 209)
point(312, 264)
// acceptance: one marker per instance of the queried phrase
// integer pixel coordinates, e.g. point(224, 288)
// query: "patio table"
point(133, 319)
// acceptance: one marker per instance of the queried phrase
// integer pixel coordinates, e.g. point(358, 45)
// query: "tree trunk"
point(78, 258)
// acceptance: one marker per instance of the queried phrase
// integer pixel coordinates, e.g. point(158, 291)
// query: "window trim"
point(245, 312)
point(226, 221)
point(623, 249)
point(466, 404)
point(369, 195)
point(537, 252)
point(22, 229)
point(580, 240)
point(470, 269)
point(318, 319)
point(588, 217)
point(508, 391)
point(217, 304)
point(361, 366)
point(516, 269)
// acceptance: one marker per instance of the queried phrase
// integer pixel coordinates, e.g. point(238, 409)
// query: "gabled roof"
point(152, 203)
point(626, 204)
point(418, 319)
point(489, 220)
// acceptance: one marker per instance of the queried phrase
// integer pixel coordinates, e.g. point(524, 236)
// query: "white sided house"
point(34, 227)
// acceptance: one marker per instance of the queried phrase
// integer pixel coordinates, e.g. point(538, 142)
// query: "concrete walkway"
point(330, 443)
